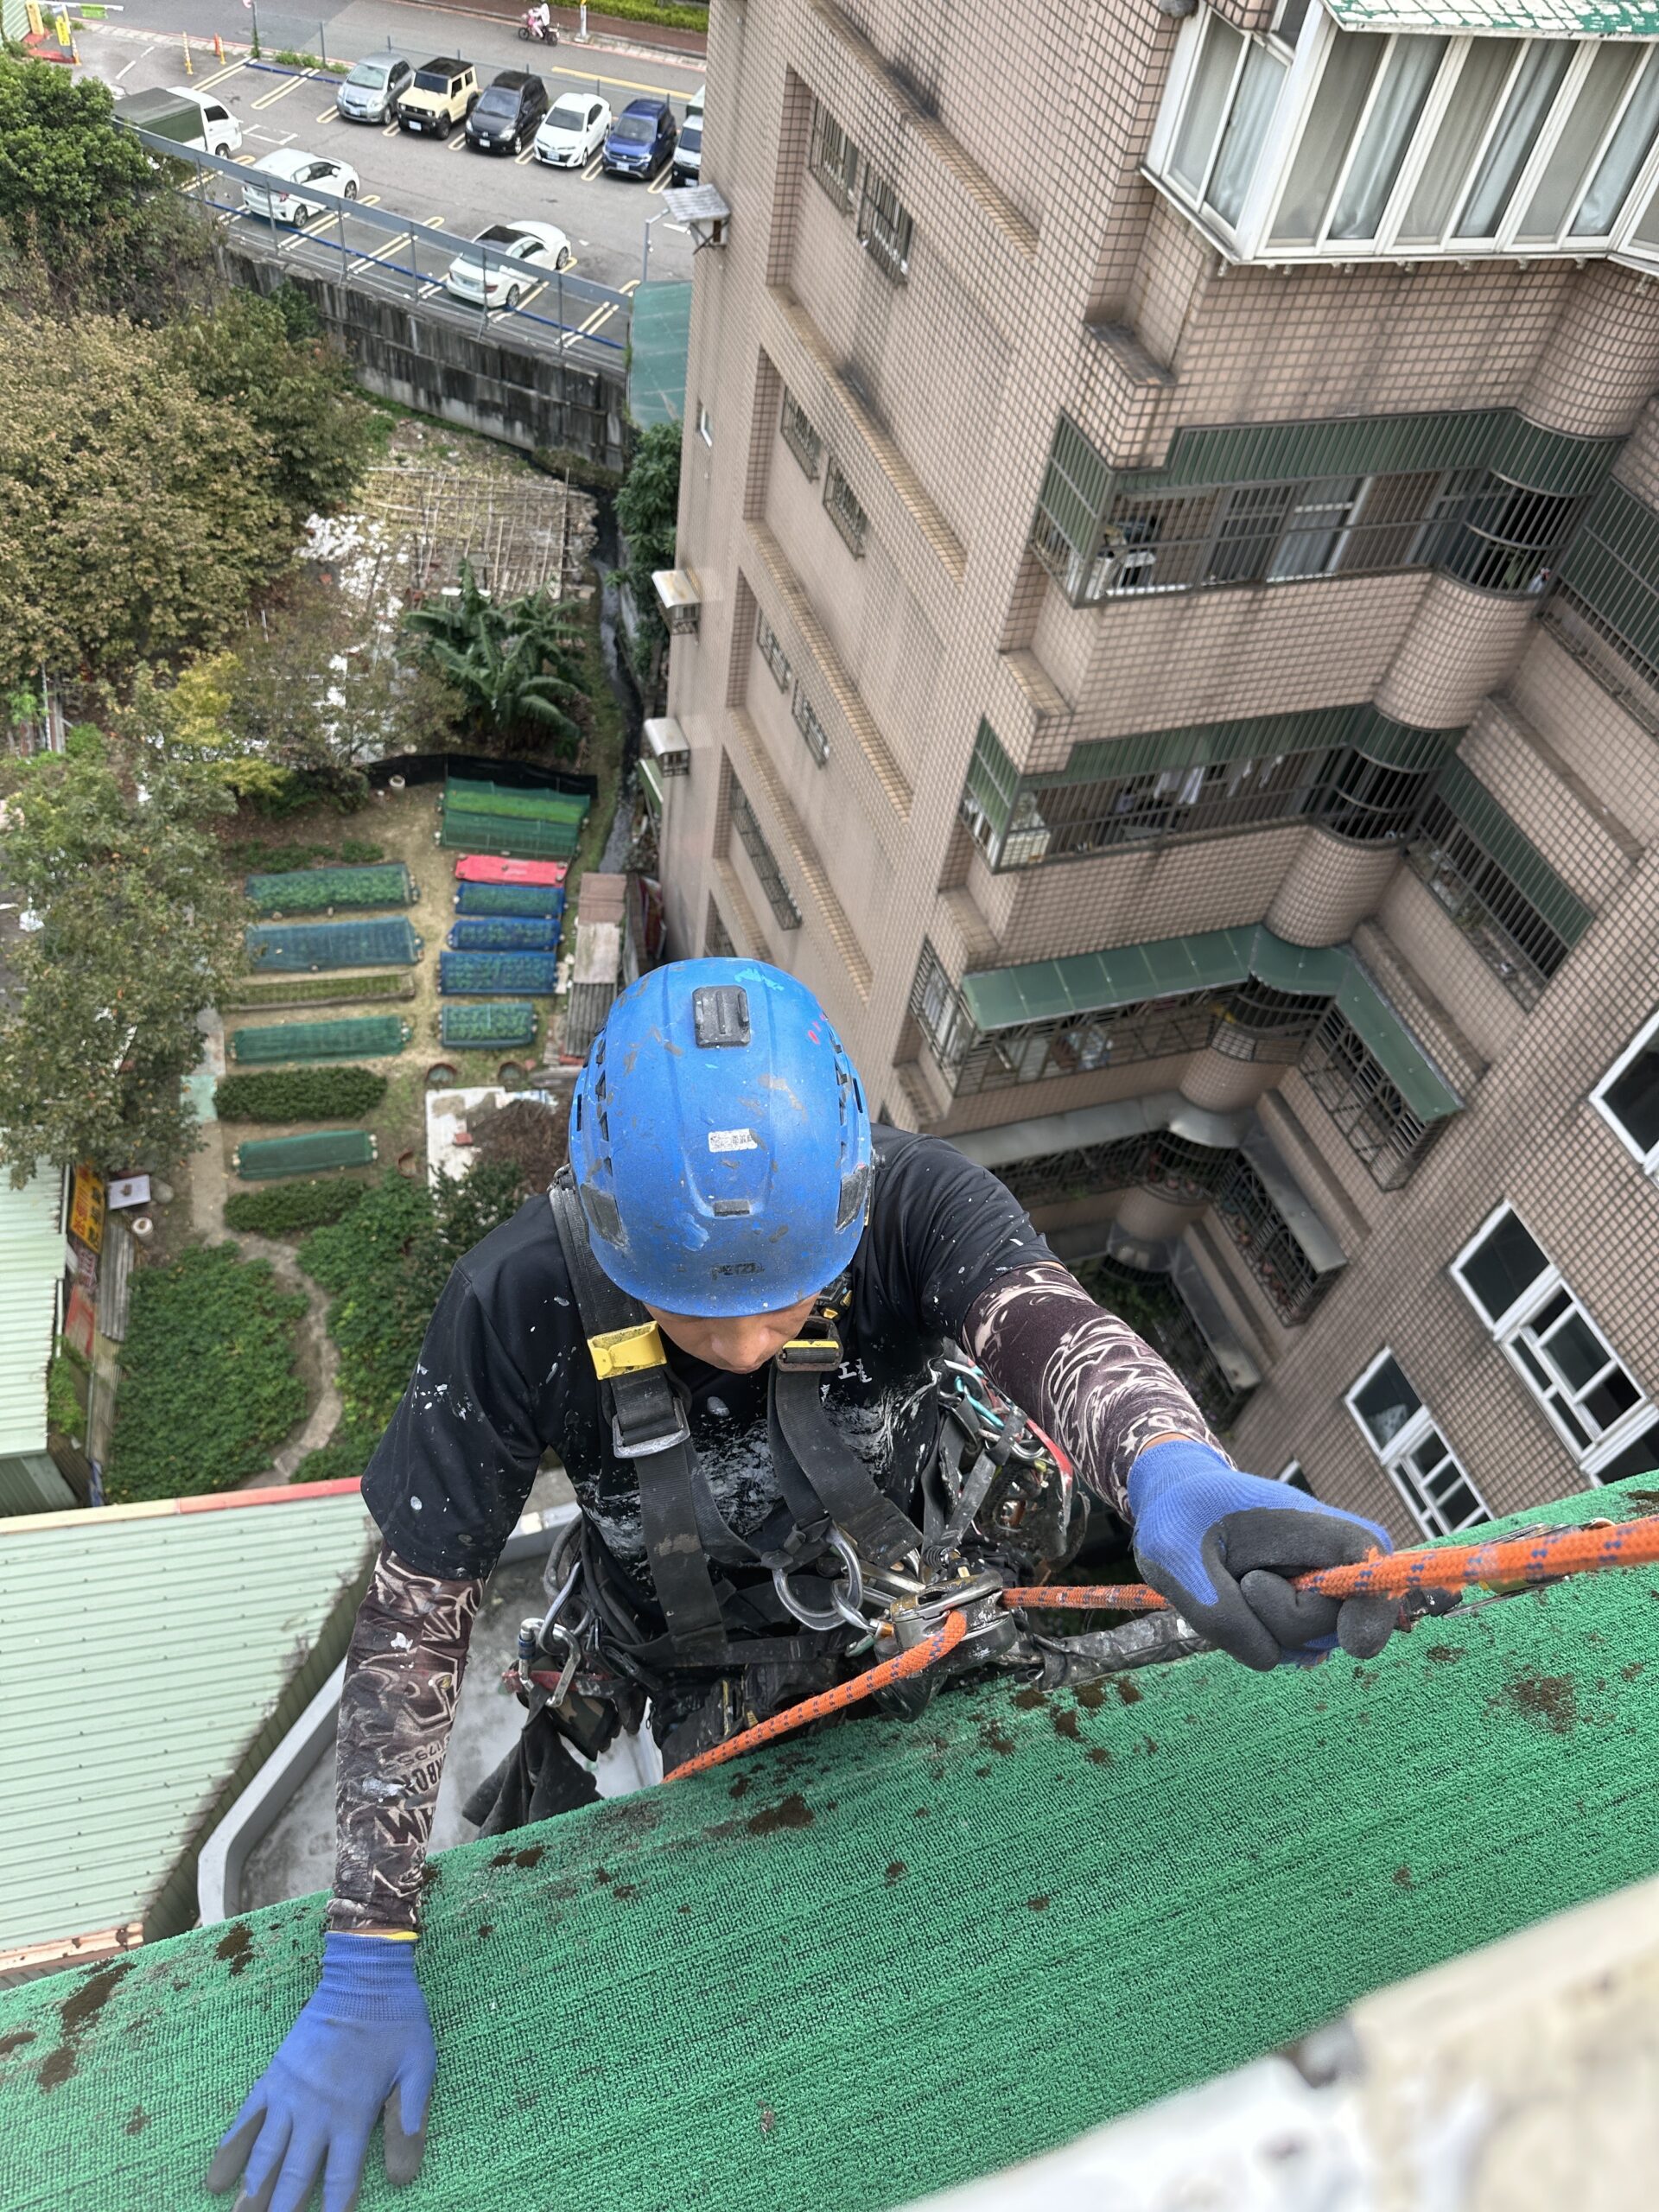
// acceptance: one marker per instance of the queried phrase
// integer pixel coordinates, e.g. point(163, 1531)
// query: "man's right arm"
point(396, 1707)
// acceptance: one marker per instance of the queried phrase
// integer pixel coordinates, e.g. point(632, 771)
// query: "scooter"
point(533, 27)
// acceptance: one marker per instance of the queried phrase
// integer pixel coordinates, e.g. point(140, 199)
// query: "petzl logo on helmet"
point(733, 1141)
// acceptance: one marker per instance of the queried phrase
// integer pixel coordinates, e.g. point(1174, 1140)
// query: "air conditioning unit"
point(665, 742)
point(680, 596)
point(1120, 566)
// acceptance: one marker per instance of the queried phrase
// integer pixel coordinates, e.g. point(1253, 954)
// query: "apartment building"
point(1171, 517)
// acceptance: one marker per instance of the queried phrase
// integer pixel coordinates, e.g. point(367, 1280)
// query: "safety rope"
point(916, 1661)
point(1502, 1563)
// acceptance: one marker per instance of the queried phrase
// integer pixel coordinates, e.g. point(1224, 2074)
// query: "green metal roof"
point(30, 1482)
point(659, 340)
point(32, 1252)
point(152, 1655)
point(883, 1960)
point(1497, 18)
point(1093, 982)
point(1469, 799)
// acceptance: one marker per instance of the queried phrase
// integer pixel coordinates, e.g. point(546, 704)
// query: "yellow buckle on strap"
point(625, 1351)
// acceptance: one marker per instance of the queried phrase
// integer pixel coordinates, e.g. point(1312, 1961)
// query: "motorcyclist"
point(726, 1185)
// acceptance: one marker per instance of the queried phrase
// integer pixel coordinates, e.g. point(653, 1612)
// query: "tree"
point(137, 516)
point(647, 513)
point(266, 359)
point(515, 664)
point(138, 931)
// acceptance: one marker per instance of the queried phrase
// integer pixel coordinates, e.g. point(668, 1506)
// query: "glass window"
point(1502, 1266)
point(833, 158)
point(1537, 81)
point(1384, 1402)
point(770, 651)
point(1247, 127)
point(1314, 525)
point(1639, 1458)
point(845, 512)
point(1351, 64)
point(1206, 104)
point(885, 227)
point(806, 721)
point(1599, 100)
point(1629, 149)
point(1629, 1094)
point(1486, 66)
point(1395, 113)
point(1436, 1488)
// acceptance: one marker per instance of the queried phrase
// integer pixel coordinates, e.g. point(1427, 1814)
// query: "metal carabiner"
point(845, 1603)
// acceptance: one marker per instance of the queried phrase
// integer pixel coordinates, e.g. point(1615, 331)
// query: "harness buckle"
point(643, 1449)
point(817, 1349)
point(626, 1351)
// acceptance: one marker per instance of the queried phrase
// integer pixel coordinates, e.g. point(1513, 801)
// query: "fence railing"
point(400, 247)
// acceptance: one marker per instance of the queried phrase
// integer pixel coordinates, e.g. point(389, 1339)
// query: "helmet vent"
point(720, 1012)
point(854, 1189)
point(602, 1216)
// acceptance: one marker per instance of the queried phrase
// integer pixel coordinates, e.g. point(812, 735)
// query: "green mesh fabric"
point(517, 839)
point(262, 1159)
point(503, 933)
point(533, 973)
point(365, 1037)
point(533, 901)
point(507, 1022)
point(504, 799)
point(390, 943)
point(888, 1957)
point(319, 890)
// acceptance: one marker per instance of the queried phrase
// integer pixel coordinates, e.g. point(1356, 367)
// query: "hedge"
point(248, 997)
point(645, 11)
point(208, 1386)
point(299, 1094)
point(256, 857)
point(284, 1209)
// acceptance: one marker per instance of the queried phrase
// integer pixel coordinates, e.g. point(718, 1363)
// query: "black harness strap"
point(821, 1476)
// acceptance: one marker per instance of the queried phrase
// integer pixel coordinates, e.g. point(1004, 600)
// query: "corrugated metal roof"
point(144, 1652)
point(1498, 18)
point(32, 1251)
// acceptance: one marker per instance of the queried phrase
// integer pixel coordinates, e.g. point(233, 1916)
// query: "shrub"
point(284, 1209)
point(208, 1386)
point(260, 858)
point(321, 990)
point(299, 1094)
point(63, 1413)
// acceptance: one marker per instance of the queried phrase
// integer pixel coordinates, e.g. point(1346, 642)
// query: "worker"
point(727, 1210)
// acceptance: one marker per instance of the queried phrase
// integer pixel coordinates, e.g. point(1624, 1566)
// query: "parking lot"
point(442, 185)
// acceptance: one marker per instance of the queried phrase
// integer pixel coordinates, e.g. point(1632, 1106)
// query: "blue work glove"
point(1222, 1547)
point(363, 2043)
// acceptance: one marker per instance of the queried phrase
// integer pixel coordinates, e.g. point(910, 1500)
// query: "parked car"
point(574, 131)
point(372, 91)
point(281, 184)
point(189, 119)
point(687, 152)
point(641, 139)
point(520, 255)
point(509, 114)
point(444, 92)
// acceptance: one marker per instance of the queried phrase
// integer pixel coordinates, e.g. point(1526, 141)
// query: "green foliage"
point(649, 11)
point(247, 997)
point(384, 1265)
point(647, 509)
point(141, 515)
point(285, 1209)
point(517, 666)
point(298, 395)
point(299, 1094)
point(259, 859)
point(64, 1417)
point(140, 931)
point(343, 1459)
point(208, 1384)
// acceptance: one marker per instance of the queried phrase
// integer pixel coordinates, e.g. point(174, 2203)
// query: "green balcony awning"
point(1498, 18)
point(1213, 960)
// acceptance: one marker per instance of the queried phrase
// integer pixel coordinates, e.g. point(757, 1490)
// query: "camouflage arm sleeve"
point(1101, 1391)
point(396, 1706)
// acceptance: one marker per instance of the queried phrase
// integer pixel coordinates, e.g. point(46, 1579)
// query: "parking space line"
point(328, 113)
point(394, 244)
point(662, 181)
point(281, 91)
point(243, 161)
point(369, 200)
point(219, 76)
point(391, 129)
point(456, 142)
point(633, 285)
point(529, 155)
point(625, 84)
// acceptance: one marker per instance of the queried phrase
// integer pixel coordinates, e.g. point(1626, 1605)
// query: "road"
point(441, 183)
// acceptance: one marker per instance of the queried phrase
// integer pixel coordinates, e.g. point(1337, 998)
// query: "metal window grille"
point(799, 435)
point(1173, 1167)
point(1505, 926)
point(817, 738)
point(1065, 534)
point(716, 938)
point(845, 512)
point(1628, 674)
point(1264, 1242)
point(1350, 1084)
point(770, 651)
point(787, 912)
point(885, 227)
point(833, 158)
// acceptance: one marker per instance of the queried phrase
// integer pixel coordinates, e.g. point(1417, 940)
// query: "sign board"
point(77, 1322)
point(86, 1208)
point(128, 1191)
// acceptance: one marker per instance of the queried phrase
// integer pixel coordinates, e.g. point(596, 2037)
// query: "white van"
point(687, 153)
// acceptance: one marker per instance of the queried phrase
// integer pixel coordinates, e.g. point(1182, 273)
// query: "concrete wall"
point(517, 394)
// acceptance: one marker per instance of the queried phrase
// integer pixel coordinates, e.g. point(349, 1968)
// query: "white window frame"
point(771, 650)
point(705, 425)
point(812, 730)
point(1512, 1327)
point(1406, 1439)
point(1250, 238)
point(1649, 1160)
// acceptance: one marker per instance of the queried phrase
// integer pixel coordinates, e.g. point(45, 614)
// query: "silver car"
point(370, 93)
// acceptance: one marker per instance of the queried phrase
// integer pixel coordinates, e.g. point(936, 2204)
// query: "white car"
point(573, 130)
point(283, 185)
point(520, 255)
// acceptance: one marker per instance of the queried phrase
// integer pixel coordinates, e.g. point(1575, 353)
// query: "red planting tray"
point(480, 868)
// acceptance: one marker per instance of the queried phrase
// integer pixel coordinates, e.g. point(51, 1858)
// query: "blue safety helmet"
point(720, 1141)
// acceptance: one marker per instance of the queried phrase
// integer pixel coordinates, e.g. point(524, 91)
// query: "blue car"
point(641, 139)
